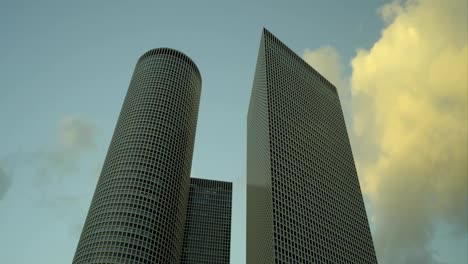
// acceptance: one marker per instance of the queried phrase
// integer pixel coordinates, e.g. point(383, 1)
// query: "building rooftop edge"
point(171, 52)
point(267, 34)
point(210, 180)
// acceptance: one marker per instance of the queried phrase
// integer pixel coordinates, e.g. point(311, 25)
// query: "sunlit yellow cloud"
point(409, 98)
point(326, 60)
point(410, 103)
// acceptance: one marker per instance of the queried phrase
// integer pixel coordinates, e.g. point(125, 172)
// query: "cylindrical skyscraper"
point(138, 211)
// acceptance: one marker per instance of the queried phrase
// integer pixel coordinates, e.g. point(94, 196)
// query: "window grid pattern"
point(259, 207)
point(318, 210)
point(207, 234)
point(137, 213)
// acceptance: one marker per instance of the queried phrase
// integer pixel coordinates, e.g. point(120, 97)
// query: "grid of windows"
point(317, 210)
point(138, 210)
point(207, 234)
point(259, 208)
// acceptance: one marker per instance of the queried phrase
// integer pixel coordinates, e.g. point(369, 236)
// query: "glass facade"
point(207, 236)
point(304, 203)
point(138, 211)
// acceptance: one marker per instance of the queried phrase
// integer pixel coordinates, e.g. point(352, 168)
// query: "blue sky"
point(65, 68)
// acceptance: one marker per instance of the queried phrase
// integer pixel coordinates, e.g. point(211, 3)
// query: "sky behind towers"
point(400, 68)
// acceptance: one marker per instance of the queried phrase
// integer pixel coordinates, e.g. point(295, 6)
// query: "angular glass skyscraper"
point(138, 211)
point(207, 236)
point(304, 203)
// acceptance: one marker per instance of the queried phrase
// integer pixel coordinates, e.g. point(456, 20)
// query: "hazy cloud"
point(75, 136)
point(5, 181)
point(68, 208)
point(410, 106)
point(50, 166)
point(390, 11)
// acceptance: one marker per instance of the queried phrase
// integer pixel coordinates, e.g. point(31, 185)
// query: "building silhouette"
point(207, 236)
point(138, 211)
point(304, 203)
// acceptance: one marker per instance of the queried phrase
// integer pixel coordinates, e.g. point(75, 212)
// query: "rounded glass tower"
point(137, 213)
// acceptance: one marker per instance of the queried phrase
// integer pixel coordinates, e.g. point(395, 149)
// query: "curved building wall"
point(138, 211)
